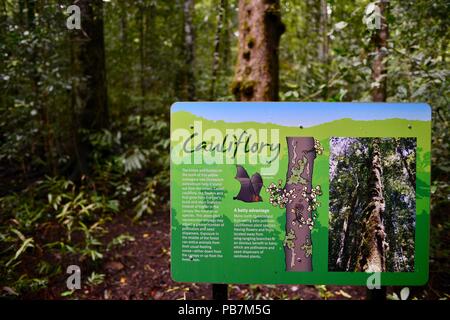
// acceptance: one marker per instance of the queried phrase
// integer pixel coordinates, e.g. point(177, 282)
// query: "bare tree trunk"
point(227, 39)
point(150, 35)
point(20, 14)
point(142, 27)
point(123, 25)
point(216, 55)
point(189, 80)
point(373, 246)
point(3, 12)
point(124, 45)
point(411, 175)
point(380, 39)
point(4, 24)
point(30, 13)
point(260, 29)
point(89, 91)
point(298, 250)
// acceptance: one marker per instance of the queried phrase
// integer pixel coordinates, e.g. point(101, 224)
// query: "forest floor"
point(140, 269)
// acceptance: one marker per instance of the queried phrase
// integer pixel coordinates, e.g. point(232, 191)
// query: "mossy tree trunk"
point(380, 39)
point(217, 40)
point(89, 91)
point(372, 253)
point(260, 29)
point(298, 250)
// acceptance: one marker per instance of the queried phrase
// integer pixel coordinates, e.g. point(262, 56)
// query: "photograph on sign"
point(300, 193)
point(372, 204)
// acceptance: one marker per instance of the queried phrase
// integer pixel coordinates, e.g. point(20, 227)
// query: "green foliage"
point(96, 278)
point(145, 201)
point(120, 240)
point(324, 293)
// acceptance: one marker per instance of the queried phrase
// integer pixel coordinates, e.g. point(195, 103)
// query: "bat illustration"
point(250, 187)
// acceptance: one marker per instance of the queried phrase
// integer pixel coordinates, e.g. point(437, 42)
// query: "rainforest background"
point(84, 122)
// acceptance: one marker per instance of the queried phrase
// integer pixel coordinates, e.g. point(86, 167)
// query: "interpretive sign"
point(300, 193)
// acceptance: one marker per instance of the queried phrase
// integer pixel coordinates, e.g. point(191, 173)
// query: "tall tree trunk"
point(124, 45)
point(21, 13)
point(216, 54)
point(124, 25)
point(345, 233)
point(189, 79)
point(31, 4)
point(410, 174)
point(260, 29)
point(227, 33)
point(3, 13)
point(324, 56)
point(150, 36)
point(298, 250)
point(142, 27)
point(4, 24)
point(372, 255)
point(90, 91)
point(380, 39)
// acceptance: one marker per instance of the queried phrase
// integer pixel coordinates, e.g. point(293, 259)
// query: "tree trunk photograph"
point(372, 252)
point(372, 205)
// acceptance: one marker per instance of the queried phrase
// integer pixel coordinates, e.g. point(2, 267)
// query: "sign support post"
point(376, 294)
point(220, 291)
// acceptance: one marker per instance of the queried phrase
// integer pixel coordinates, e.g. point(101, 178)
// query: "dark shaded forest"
point(84, 122)
point(354, 163)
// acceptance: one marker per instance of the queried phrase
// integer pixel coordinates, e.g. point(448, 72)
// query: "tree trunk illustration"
point(373, 246)
point(299, 220)
point(260, 29)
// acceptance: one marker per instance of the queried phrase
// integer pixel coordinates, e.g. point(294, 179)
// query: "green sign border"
point(272, 271)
